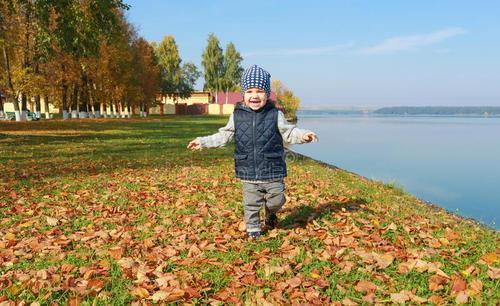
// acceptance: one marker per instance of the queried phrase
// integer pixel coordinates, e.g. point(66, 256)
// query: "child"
point(259, 129)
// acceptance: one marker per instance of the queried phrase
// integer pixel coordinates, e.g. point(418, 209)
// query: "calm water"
point(453, 162)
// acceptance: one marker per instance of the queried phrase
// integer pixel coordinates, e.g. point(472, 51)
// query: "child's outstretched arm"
point(291, 134)
point(219, 139)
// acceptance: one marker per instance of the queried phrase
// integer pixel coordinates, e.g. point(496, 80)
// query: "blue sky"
point(347, 53)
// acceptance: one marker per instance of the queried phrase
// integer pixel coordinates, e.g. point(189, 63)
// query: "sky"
point(347, 54)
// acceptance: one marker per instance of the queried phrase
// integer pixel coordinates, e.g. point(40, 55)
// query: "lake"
point(453, 162)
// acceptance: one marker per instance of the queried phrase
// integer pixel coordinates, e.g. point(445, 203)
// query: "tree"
point(147, 73)
point(286, 99)
point(213, 65)
point(189, 76)
point(232, 69)
point(169, 62)
point(176, 80)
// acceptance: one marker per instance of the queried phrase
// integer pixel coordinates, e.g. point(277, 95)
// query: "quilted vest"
point(259, 153)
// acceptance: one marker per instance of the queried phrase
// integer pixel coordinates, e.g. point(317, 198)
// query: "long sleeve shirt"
point(290, 133)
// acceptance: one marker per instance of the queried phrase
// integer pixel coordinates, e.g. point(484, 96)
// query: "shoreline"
point(433, 206)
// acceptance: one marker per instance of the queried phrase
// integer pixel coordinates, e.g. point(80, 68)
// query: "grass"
point(172, 213)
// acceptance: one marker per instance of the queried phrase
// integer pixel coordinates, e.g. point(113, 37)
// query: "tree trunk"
point(24, 106)
point(38, 106)
point(84, 101)
point(74, 102)
point(129, 110)
point(122, 110)
point(12, 95)
point(1, 105)
point(111, 111)
point(104, 111)
point(96, 107)
point(97, 110)
point(47, 109)
point(64, 100)
point(119, 110)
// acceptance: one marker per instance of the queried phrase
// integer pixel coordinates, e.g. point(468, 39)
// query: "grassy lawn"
point(119, 211)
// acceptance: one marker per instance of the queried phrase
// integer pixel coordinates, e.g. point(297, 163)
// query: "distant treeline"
point(439, 110)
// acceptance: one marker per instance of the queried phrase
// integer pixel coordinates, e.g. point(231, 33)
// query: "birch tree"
point(213, 66)
point(232, 69)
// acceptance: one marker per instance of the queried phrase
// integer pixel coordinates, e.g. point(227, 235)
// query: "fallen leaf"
point(462, 298)
point(399, 297)
point(140, 292)
point(476, 285)
point(348, 302)
point(95, 284)
point(9, 236)
point(406, 267)
point(435, 299)
point(160, 295)
point(493, 273)
point(436, 282)
point(384, 260)
point(365, 286)
point(52, 221)
point(115, 252)
point(294, 282)
point(489, 258)
point(242, 226)
point(163, 281)
point(458, 284)
point(126, 262)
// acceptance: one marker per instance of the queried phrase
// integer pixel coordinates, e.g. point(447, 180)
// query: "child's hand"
point(310, 137)
point(194, 145)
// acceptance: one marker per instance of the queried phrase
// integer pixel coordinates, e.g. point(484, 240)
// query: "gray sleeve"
point(290, 133)
point(221, 138)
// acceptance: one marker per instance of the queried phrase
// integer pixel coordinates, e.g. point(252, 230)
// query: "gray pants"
point(271, 195)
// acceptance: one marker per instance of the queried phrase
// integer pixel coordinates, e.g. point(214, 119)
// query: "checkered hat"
point(256, 77)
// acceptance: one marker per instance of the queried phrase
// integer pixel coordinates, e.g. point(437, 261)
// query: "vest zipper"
point(254, 148)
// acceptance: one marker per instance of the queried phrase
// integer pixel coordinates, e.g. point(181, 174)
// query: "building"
point(199, 103)
point(196, 104)
point(9, 107)
point(223, 103)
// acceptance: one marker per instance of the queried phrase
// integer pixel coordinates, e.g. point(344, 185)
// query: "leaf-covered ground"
point(119, 212)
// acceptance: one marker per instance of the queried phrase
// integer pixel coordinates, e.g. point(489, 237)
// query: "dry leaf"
point(458, 284)
point(384, 260)
point(242, 226)
point(490, 258)
point(436, 282)
point(140, 292)
point(126, 262)
point(462, 298)
point(9, 236)
point(399, 297)
point(294, 282)
point(493, 273)
point(52, 221)
point(160, 295)
point(365, 286)
point(476, 285)
point(115, 252)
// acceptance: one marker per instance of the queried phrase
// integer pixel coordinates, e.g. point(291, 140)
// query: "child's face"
point(255, 98)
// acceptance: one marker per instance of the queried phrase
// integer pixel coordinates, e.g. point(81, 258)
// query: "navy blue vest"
point(259, 153)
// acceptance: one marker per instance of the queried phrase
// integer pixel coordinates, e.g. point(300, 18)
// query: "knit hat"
point(256, 77)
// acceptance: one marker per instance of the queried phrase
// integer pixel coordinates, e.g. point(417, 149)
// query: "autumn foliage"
point(119, 212)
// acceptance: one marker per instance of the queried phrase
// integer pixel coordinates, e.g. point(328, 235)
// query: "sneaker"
point(253, 235)
point(271, 221)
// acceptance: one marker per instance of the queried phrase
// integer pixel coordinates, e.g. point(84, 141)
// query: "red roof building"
point(233, 97)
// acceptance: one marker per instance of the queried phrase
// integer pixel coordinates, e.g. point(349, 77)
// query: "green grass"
point(133, 184)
